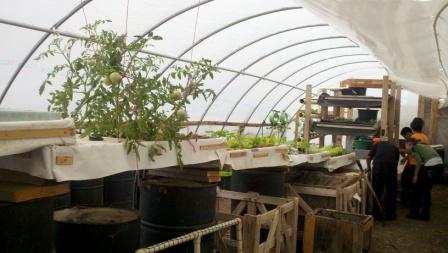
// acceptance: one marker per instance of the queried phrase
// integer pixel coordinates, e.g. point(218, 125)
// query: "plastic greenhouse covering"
point(267, 51)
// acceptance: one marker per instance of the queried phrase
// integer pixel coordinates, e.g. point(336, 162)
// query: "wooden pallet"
point(281, 222)
point(335, 231)
point(342, 194)
point(20, 192)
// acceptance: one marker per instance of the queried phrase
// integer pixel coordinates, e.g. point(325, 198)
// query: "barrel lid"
point(94, 215)
point(177, 183)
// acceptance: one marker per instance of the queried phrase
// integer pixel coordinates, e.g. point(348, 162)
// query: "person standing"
point(409, 168)
point(428, 168)
point(385, 157)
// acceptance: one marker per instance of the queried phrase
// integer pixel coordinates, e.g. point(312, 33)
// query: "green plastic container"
point(362, 143)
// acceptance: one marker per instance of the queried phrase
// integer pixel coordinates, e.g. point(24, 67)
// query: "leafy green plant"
point(332, 150)
point(246, 141)
point(112, 89)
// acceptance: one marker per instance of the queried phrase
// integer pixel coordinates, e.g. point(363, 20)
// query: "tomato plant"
point(111, 88)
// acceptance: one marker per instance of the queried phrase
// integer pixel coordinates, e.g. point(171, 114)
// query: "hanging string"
point(127, 18)
point(84, 13)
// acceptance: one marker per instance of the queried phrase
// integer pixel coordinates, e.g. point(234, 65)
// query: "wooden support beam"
point(363, 83)
point(397, 116)
point(296, 126)
point(307, 125)
point(433, 121)
point(384, 107)
point(324, 116)
point(421, 107)
point(391, 113)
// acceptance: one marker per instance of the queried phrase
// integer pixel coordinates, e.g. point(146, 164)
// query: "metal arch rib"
point(279, 66)
point(436, 37)
point(328, 79)
point(255, 62)
point(301, 82)
point(286, 78)
point(265, 37)
point(180, 12)
point(224, 28)
point(37, 45)
point(77, 36)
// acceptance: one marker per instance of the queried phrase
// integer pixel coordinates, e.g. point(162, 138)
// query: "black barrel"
point(270, 183)
point(172, 208)
point(61, 201)
point(87, 192)
point(27, 226)
point(119, 190)
point(96, 229)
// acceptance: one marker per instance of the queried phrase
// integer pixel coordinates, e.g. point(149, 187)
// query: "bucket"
point(96, 229)
point(87, 192)
point(26, 227)
point(366, 115)
point(119, 190)
point(172, 208)
point(362, 143)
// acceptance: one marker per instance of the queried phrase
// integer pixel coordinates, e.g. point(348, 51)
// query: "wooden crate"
point(341, 196)
point(253, 209)
point(335, 231)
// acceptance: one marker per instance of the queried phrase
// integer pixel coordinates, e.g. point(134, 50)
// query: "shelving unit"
point(343, 105)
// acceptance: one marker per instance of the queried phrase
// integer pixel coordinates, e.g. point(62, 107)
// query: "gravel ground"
point(408, 236)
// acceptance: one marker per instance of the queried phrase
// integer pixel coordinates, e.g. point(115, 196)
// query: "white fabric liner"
point(323, 160)
point(400, 33)
point(274, 158)
point(10, 147)
point(96, 159)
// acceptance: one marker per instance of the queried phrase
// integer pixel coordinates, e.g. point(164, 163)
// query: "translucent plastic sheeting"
point(400, 33)
point(274, 39)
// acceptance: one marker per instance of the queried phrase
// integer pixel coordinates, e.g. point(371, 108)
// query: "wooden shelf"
point(349, 129)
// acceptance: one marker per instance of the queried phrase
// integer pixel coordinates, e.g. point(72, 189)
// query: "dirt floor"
point(405, 235)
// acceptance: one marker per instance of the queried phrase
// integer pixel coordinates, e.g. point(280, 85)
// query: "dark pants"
point(406, 183)
point(421, 191)
point(385, 187)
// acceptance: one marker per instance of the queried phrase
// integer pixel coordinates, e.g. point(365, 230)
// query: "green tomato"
point(181, 114)
point(107, 81)
point(176, 95)
point(115, 78)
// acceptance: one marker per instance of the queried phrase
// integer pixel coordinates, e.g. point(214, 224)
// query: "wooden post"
point(397, 116)
point(421, 107)
point(309, 233)
point(324, 116)
point(384, 106)
point(391, 113)
point(307, 125)
point(433, 121)
point(296, 127)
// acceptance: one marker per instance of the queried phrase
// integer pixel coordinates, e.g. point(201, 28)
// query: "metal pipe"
point(77, 36)
point(255, 62)
point(37, 45)
point(267, 36)
point(193, 236)
point(434, 26)
point(286, 78)
point(277, 67)
point(227, 26)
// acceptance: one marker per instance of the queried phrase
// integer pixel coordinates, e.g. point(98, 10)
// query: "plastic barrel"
point(171, 208)
point(61, 201)
point(270, 183)
point(119, 190)
point(26, 226)
point(96, 229)
point(87, 192)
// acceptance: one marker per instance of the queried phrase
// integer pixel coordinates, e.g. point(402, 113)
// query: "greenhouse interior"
point(221, 126)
